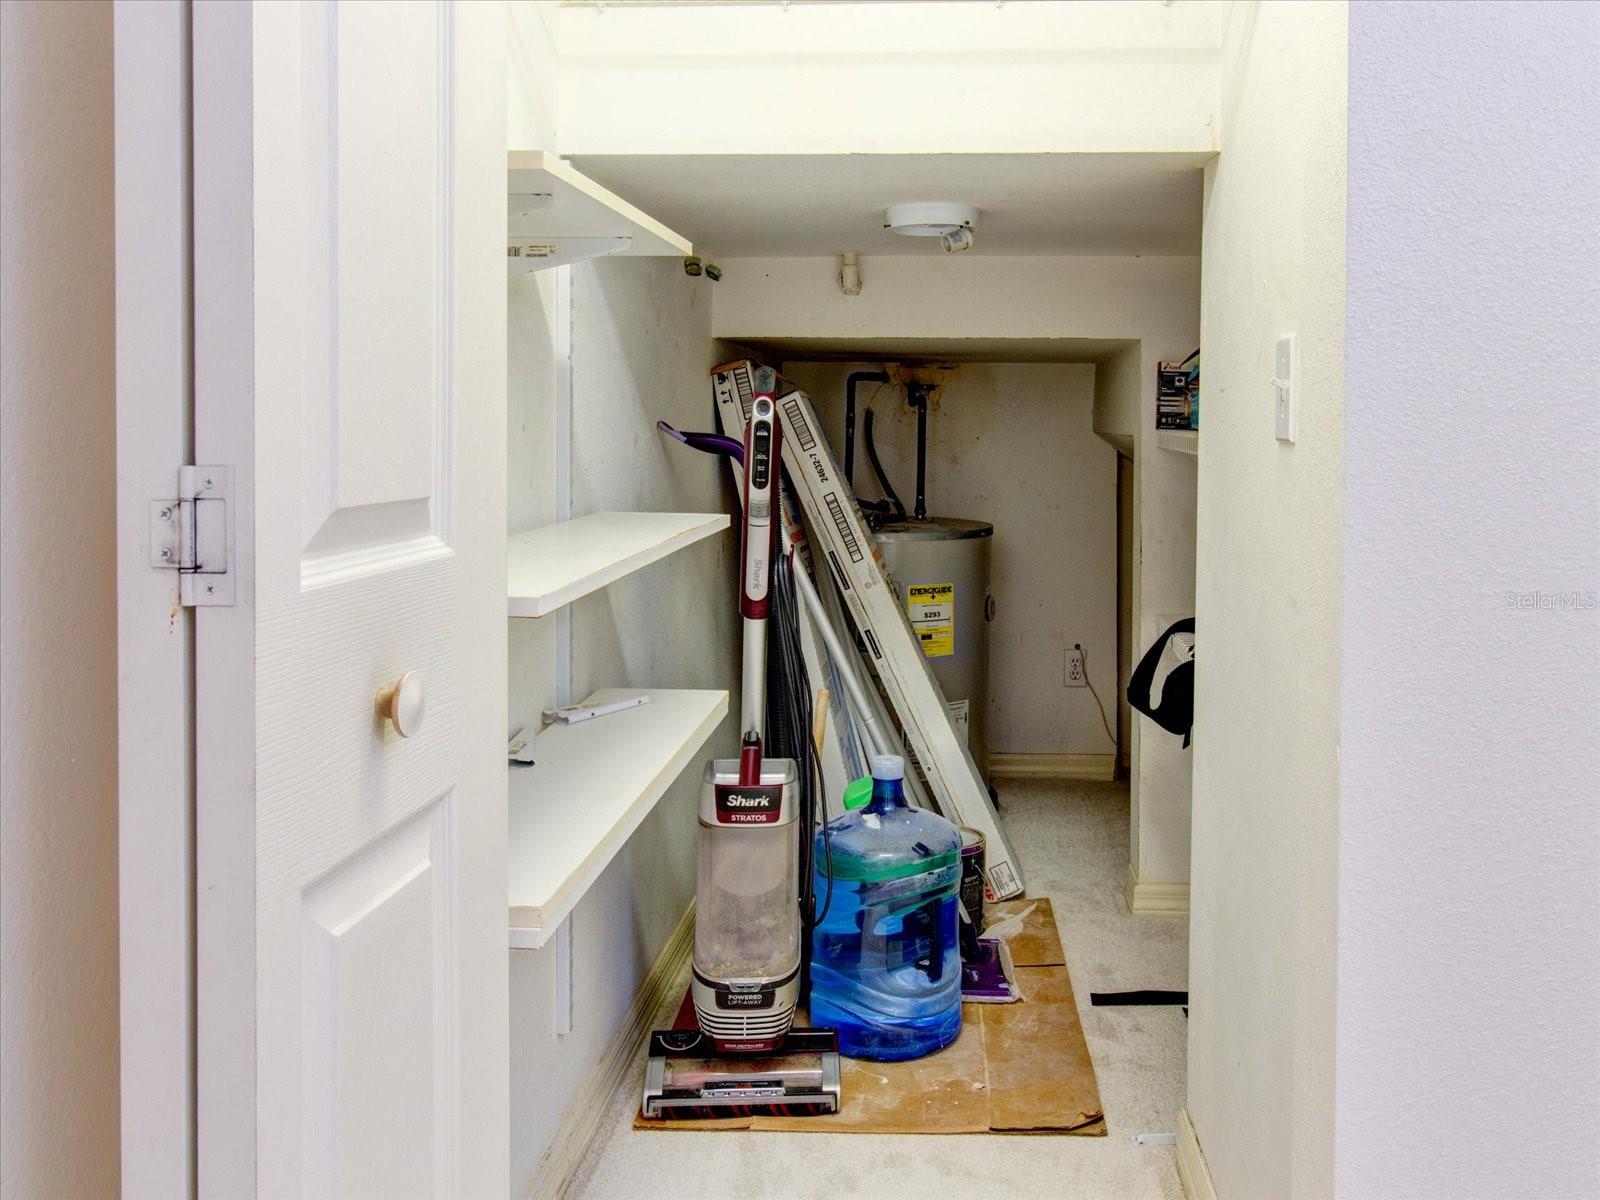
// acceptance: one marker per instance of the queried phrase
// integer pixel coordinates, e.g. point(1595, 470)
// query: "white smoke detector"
point(951, 222)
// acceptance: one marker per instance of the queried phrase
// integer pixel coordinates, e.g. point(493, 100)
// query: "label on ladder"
point(961, 719)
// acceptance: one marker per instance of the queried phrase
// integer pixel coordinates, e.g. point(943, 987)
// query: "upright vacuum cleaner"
point(744, 1056)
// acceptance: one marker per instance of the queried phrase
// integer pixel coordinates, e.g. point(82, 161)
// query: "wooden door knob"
point(405, 703)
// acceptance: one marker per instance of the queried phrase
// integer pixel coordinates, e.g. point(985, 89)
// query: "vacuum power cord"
point(1115, 745)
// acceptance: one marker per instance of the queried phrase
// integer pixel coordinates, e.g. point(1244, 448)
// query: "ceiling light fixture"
point(952, 223)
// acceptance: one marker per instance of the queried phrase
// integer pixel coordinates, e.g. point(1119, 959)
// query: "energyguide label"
point(932, 610)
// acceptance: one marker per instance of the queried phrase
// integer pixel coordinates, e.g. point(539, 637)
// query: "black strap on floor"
point(1114, 999)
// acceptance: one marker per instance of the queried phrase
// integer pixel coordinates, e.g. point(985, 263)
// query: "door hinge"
point(193, 535)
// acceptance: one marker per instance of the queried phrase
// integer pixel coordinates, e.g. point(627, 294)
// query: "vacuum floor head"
point(685, 1078)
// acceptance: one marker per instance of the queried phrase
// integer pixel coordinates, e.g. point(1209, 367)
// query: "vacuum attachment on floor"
point(987, 976)
point(684, 1077)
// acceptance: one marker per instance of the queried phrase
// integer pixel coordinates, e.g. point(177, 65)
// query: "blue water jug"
point(886, 966)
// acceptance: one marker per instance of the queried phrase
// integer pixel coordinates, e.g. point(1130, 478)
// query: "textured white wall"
point(1267, 590)
point(641, 349)
point(935, 295)
point(1469, 827)
point(544, 1075)
point(889, 78)
point(1153, 301)
point(1116, 398)
point(1011, 443)
point(533, 344)
point(639, 332)
point(1164, 483)
point(58, 616)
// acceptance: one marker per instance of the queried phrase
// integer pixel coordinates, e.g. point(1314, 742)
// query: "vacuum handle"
point(750, 759)
point(761, 472)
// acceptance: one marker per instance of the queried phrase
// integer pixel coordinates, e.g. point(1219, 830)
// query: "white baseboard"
point(1053, 766)
point(581, 1120)
point(1192, 1170)
point(1155, 898)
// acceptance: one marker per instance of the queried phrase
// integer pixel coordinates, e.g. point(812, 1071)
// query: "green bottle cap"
point(857, 794)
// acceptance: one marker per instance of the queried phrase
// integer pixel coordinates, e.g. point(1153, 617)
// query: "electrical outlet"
point(1075, 675)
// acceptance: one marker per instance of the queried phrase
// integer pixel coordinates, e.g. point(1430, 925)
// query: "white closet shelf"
point(589, 788)
point(558, 215)
point(550, 567)
point(1184, 441)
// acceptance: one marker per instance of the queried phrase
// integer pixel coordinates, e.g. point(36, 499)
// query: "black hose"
point(793, 707)
point(898, 510)
point(853, 381)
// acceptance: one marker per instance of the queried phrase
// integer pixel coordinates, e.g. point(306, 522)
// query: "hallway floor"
point(1073, 842)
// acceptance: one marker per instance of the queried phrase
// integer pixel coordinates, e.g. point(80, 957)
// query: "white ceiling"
point(744, 206)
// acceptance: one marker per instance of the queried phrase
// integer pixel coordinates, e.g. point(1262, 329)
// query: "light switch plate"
point(1286, 388)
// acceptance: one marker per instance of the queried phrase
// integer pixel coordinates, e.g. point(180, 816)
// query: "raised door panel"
point(379, 955)
point(370, 150)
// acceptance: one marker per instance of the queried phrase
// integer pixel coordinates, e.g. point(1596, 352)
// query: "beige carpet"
point(1073, 842)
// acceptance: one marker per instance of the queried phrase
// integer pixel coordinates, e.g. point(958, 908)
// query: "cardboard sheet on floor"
point(1016, 1068)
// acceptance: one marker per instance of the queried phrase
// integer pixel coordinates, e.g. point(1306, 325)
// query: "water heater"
point(940, 568)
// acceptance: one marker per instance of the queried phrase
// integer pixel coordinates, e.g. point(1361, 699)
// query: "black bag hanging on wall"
point(1174, 711)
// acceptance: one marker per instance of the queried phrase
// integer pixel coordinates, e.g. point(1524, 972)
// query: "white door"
point(349, 341)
